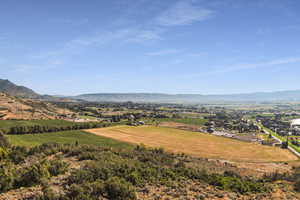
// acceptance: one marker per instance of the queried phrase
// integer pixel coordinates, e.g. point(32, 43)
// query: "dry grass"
point(28, 109)
point(196, 144)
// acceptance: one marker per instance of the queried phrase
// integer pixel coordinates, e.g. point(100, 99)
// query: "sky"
point(67, 47)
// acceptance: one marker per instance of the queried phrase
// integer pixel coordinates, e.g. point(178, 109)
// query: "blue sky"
point(172, 46)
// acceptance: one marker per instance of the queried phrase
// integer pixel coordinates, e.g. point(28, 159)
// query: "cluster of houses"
point(281, 127)
point(230, 122)
point(233, 126)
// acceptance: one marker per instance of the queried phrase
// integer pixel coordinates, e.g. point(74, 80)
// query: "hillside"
point(193, 98)
point(14, 90)
point(17, 108)
point(106, 171)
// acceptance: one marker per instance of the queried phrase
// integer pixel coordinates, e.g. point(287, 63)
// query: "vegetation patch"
point(107, 172)
point(65, 137)
point(16, 127)
point(190, 121)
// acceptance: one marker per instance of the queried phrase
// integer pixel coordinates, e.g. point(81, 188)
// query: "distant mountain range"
point(20, 91)
point(193, 98)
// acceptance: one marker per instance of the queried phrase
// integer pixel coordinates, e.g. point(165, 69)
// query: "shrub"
point(297, 185)
point(18, 154)
point(57, 167)
point(119, 189)
point(96, 189)
point(6, 177)
point(77, 192)
point(236, 184)
point(48, 194)
point(3, 141)
point(87, 156)
point(33, 175)
point(80, 176)
point(134, 178)
point(3, 153)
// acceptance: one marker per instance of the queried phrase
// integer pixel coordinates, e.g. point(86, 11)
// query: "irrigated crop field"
point(190, 121)
point(196, 144)
point(65, 137)
point(50, 123)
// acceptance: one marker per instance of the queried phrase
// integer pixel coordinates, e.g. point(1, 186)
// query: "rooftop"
point(295, 122)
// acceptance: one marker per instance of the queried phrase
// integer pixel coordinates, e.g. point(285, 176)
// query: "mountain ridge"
point(12, 89)
point(288, 95)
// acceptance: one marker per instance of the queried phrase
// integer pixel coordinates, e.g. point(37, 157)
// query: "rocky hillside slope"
point(20, 91)
point(19, 108)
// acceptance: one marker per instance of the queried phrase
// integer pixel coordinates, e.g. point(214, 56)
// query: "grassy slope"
point(66, 137)
point(191, 121)
point(197, 144)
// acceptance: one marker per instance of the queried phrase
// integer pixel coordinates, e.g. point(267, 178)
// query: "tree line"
point(19, 130)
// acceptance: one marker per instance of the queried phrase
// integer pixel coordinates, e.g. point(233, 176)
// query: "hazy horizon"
point(205, 47)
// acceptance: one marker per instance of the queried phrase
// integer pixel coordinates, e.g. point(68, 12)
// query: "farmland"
point(65, 137)
point(190, 121)
point(90, 155)
point(41, 126)
point(196, 144)
point(12, 123)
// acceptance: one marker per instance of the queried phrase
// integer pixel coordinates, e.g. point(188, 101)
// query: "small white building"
point(295, 124)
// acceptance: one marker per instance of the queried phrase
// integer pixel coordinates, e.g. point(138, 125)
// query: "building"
point(295, 127)
point(295, 124)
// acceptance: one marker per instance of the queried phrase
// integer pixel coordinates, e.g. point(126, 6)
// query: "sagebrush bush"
point(33, 175)
point(118, 189)
point(7, 177)
point(57, 167)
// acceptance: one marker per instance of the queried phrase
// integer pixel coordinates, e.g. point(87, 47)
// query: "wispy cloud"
point(182, 13)
point(241, 67)
point(27, 68)
point(118, 36)
point(197, 54)
point(164, 52)
point(70, 21)
point(58, 57)
point(145, 36)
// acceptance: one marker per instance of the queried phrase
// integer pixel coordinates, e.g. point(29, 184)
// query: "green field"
point(87, 117)
point(65, 137)
point(191, 121)
point(6, 124)
point(35, 126)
